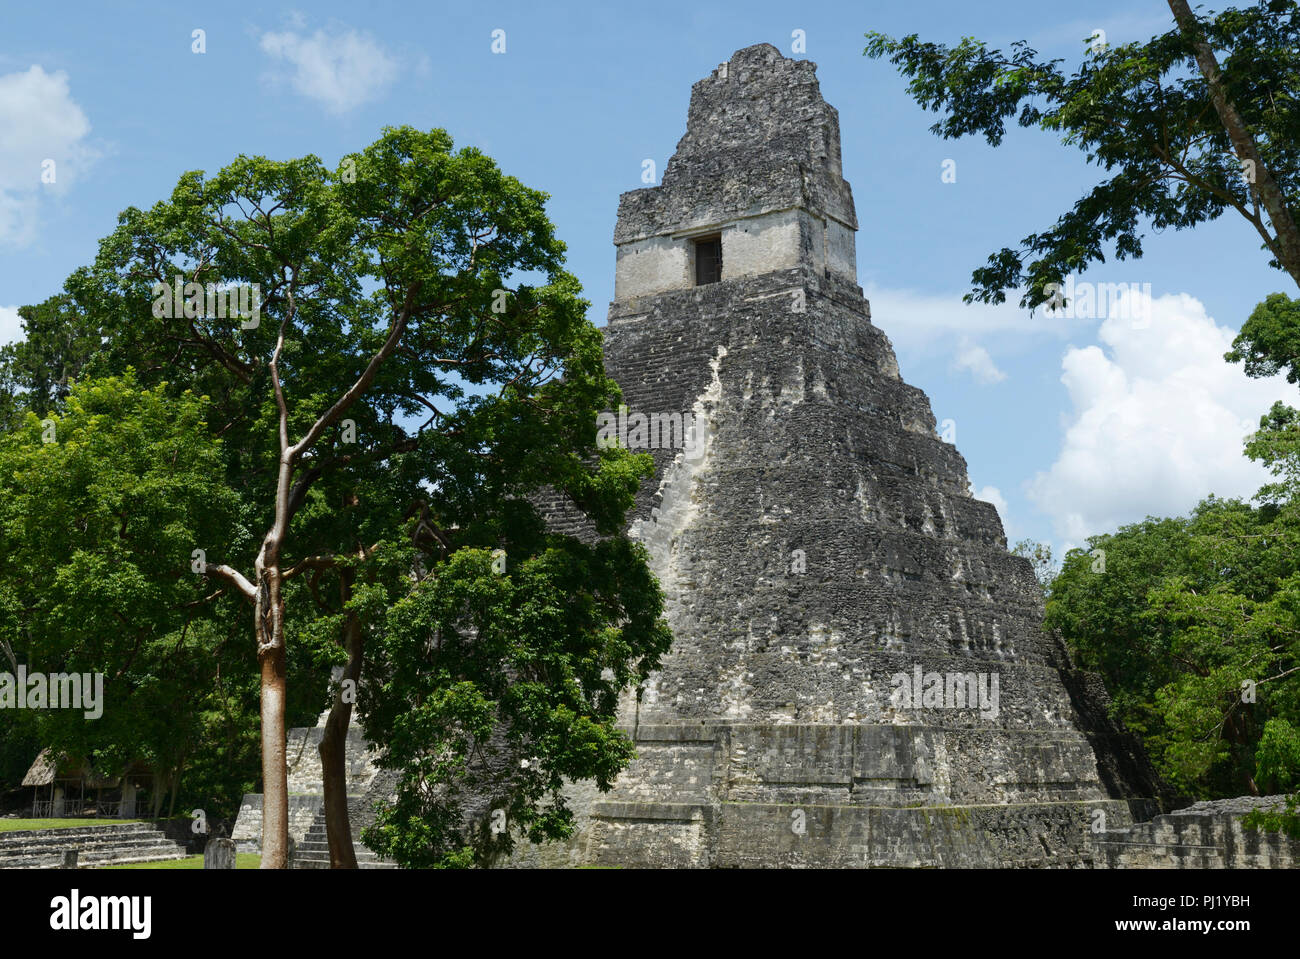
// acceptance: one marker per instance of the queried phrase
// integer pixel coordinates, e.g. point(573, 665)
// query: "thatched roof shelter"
point(46, 769)
point(43, 770)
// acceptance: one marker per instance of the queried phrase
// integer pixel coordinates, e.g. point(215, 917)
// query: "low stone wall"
point(743, 795)
point(1207, 835)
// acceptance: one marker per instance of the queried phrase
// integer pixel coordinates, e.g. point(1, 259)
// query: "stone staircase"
point(314, 850)
point(306, 788)
point(96, 845)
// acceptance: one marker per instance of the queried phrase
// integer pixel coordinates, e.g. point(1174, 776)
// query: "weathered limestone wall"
point(1207, 835)
point(652, 265)
point(781, 240)
point(713, 795)
point(822, 542)
point(764, 243)
point(760, 162)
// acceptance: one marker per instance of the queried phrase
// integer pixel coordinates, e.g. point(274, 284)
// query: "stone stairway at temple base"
point(313, 852)
point(96, 845)
point(307, 792)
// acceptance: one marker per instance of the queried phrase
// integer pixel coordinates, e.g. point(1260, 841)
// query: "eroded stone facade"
point(823, 543)
point(1205, 835)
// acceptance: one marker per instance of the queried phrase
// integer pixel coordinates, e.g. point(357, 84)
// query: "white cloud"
point(341, 70)
point(976, 359)
point(11, 328)
point(17, 217)
point(1158, 421)
point(41, 122)
point(924, 322)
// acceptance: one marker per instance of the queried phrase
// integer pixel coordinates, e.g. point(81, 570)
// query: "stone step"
point(157, 853)
point(322, 854)
point(23, 837)
point(95, 845)
point(85, 852)
point(97, 842)
point(9, 838)
point(313, 852)
point(361, 864)
point(160, 856)
point(324, 864)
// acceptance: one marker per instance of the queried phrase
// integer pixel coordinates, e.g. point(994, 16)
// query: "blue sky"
point(1070, 426)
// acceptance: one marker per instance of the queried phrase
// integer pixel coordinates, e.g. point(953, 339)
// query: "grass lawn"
point(16, 825)
point(243, 860)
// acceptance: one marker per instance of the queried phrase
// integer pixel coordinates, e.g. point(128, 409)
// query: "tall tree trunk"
point(1287, 246)
point(269, 598)
point(275, 771)
point(175, 780)
point(333, 744)
point(1236, 733)
point(175, 788)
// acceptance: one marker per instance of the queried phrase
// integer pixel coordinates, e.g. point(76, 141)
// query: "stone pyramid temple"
point(859, 675)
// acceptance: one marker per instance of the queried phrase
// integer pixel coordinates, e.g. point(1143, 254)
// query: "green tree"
point(1040, 558)
point(1192, 623)
point(1188, 125)
point(97, 501)
point(1269, 343)
point(531, 660)
point(1098, 604)
point(1277, 759)
point(404, 385)
point(37, 371)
